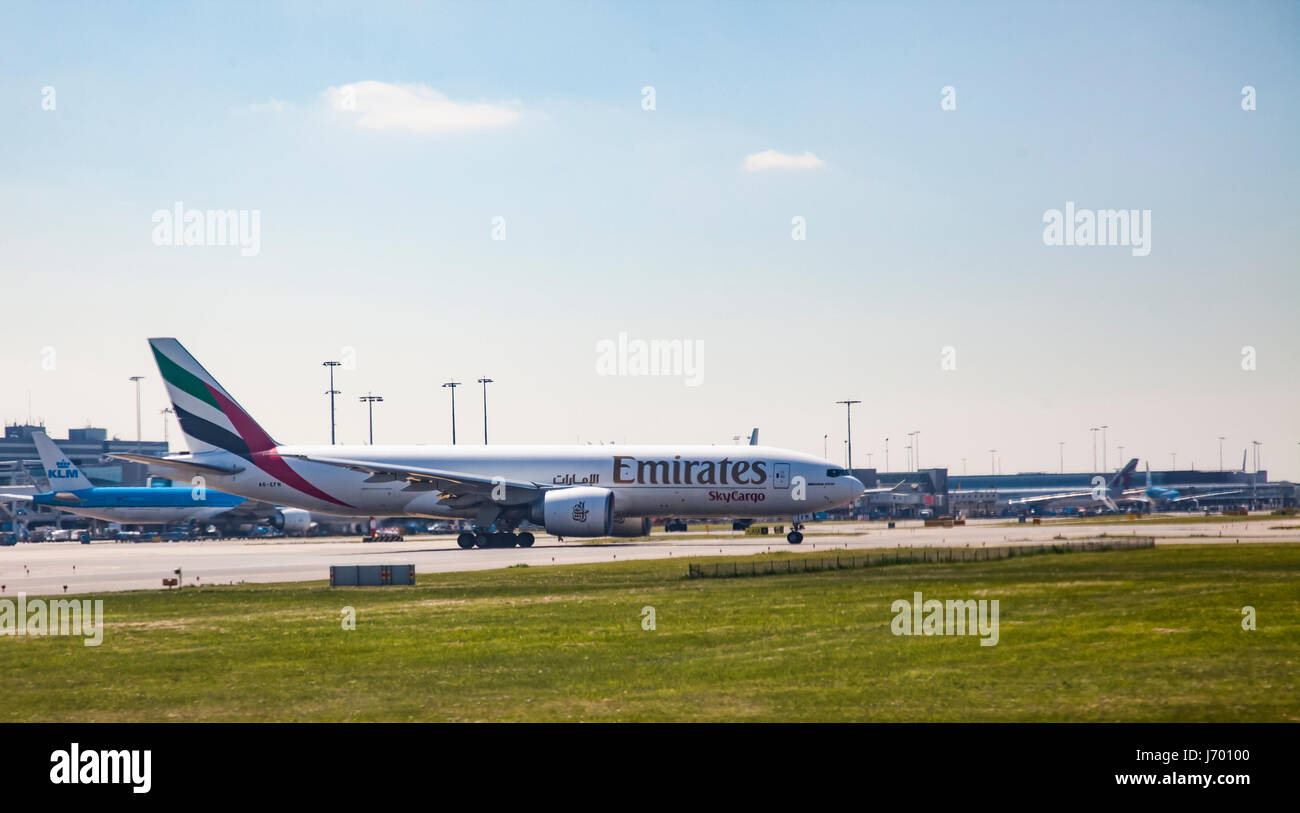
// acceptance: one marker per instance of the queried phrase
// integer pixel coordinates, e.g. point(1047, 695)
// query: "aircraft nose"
point(851, 486)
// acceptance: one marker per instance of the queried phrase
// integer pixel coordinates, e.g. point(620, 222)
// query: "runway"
point(49, 568)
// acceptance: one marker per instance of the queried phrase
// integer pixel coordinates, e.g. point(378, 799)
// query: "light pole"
point(165, 411)
point(1256, 444)
point(331, 392)
point(848, 414)
point(485, 381)
point(370, 400)
point(1103, 447)
point(886, 454)
point(453, 385)
point(992, 461)
point(825, 446)
point(1220, 452)
point(916, 450)
point(1060, 448)
point(137, 379)
point(1094, 430)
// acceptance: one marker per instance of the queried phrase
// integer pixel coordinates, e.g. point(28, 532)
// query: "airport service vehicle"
point(71, 491)
point(571, 491)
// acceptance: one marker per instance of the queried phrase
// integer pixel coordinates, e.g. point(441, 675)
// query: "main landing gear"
point(496, 539)
point(796, 533)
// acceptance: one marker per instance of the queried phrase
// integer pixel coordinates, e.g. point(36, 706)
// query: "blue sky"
point(924, 226)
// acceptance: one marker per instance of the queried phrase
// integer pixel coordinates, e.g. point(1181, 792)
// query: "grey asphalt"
point(46, 568)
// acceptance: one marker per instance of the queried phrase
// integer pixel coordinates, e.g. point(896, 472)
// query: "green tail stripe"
point(182, 379)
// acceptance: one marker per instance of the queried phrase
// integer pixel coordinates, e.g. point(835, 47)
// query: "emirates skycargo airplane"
point(578, 491)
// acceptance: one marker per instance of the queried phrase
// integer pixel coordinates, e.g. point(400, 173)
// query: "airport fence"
point(907, 556)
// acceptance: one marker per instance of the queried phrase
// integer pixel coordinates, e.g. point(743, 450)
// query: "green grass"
point(1120, 635)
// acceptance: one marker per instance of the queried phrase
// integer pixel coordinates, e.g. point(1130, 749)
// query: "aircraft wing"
point(884, 489)
point(1135, 495)
point(1041, 498)
point(459, 486)
point(1208, 494)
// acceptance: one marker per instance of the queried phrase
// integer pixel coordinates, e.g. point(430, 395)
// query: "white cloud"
point(771, 159)
point(413, 108)
point(271, 105)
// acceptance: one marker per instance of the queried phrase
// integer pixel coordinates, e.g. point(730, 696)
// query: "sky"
point(386, 150)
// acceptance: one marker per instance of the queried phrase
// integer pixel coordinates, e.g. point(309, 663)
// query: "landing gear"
point(525, 540)
point(465, 540)
point(796, 533)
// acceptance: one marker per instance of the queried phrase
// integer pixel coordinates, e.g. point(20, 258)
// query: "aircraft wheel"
point(483, 540)
point(465, 540)
point(526, 540)
point(794, 537)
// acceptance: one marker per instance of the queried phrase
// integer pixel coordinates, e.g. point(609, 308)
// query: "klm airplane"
point(72, 491)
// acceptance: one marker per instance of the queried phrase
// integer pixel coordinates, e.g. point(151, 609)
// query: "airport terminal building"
point(85, 447)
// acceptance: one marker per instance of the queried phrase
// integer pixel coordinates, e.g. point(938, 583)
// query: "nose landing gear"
point(796, 533)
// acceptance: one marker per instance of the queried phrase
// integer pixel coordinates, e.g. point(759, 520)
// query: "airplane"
point(574, 491)
point(1168, 496)
point(1103, 491)
point(71, 491)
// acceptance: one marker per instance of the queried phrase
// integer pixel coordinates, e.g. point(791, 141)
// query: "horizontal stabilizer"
point(180, 469)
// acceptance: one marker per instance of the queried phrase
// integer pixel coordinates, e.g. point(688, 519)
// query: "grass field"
point(1122, 635)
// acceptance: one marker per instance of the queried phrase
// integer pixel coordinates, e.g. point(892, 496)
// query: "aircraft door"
point(781, 475)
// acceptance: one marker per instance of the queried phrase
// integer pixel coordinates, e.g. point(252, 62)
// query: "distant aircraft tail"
point(753, 437)
point(62, 473)
point(209, 416)
point(1124, 477)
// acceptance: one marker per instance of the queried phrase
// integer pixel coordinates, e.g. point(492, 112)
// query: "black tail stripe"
point(212, 434)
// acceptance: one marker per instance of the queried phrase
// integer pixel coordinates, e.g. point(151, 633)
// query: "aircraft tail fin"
point(753, 437)
point(62, 473)
point(209, 416)
point(1124, 477)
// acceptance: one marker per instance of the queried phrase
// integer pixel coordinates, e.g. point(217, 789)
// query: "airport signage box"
point(371, 575)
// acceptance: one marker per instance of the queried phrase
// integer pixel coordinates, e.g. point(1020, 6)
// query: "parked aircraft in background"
point(1155, 496)
point(1103, 493)
point(71, 491)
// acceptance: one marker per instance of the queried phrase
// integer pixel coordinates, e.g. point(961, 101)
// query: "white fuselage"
point(647, 481)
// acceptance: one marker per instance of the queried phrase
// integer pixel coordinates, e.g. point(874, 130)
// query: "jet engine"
point(292, 521)
point(577, 511)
